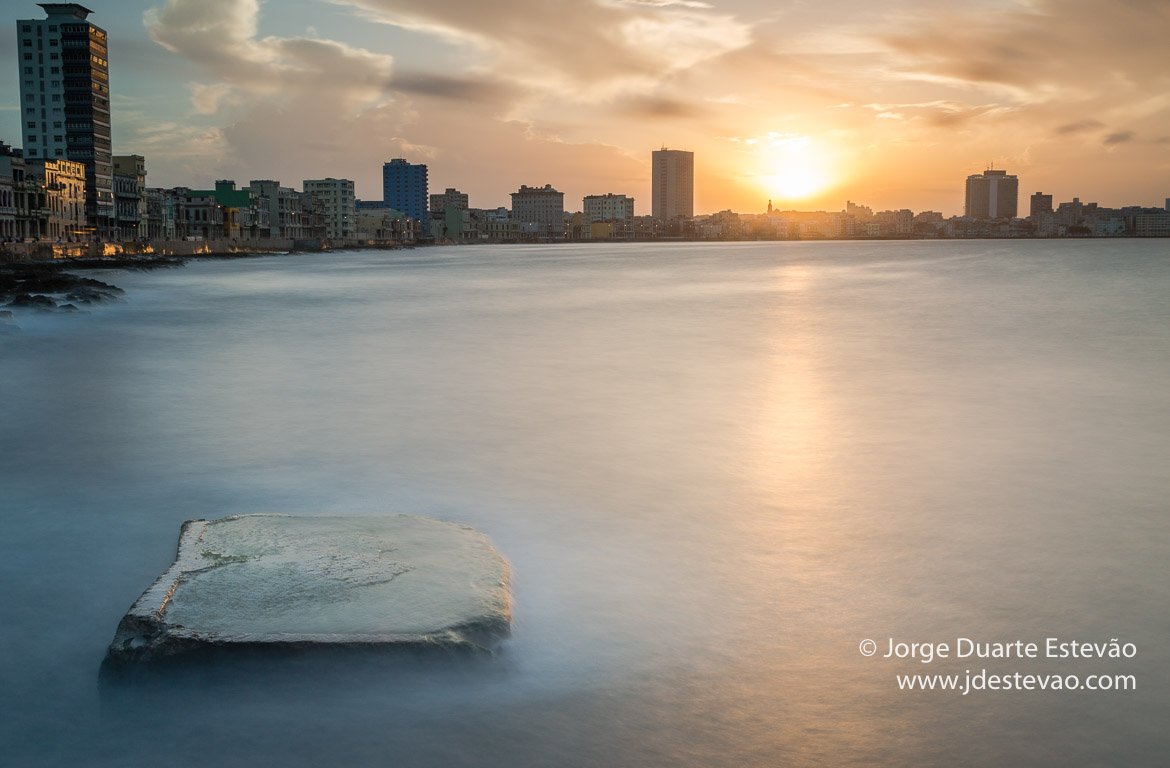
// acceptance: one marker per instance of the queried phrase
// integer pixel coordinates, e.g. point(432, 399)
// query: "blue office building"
point(404, 188)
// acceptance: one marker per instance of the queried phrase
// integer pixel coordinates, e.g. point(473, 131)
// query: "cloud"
point(657, 107)
point(457, 88)
point(1121, 137)
point(576, 49)
point(221, 37)
point(280, 95)
point(940, 113)
point(1080, 126)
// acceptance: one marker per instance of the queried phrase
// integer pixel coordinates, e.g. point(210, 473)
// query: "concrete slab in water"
point(270, 579)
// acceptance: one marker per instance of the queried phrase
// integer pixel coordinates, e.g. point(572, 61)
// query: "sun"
point(792, 167)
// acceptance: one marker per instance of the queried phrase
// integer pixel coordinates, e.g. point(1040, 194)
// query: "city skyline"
point(805, 107)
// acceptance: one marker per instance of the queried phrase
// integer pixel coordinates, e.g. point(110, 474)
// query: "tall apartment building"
point(540, 211)
point(992, 195)
point(65, 100)
point(404, 188)
point(450, 198)
point(337, 202)
point(1041, 205)
point(673, 184)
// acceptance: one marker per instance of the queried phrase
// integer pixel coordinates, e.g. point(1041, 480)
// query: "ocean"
point(716, 470)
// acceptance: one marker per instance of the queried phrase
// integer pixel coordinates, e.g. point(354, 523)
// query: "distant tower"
point(673, 184)
point(992, 195)
point(404, 188)
point(769, 207)
point(65, 100)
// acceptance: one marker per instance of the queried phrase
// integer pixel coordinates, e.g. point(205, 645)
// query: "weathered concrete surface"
point(272, 579)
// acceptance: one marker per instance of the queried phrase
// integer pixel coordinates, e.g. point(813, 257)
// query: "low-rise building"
point(615, 210)
point(58, 204)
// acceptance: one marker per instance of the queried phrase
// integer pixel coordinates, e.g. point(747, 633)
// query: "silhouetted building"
point(1041, 205)
point(673, 184)
point(992, 195)
point(404, 188)
point(65, 100)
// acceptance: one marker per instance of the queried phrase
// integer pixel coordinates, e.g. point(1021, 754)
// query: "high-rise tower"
point(404, 188)
point(992, 195)
point(65, 100)
point(673, 184)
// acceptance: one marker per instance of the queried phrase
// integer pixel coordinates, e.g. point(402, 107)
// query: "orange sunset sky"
point(806, 103)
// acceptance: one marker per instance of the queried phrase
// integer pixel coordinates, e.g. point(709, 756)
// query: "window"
point(28, 57)
point(27, 42)
point(57, 125)
point(55, 71)
point(28, 70)
point(32, 124)
point(32, 139)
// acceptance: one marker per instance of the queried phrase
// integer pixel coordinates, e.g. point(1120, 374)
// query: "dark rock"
point(32, 301)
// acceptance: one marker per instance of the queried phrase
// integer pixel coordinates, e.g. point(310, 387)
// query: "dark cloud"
point(1080, 126)
point(461, 89)
point(658, 107)
point(1121, 137)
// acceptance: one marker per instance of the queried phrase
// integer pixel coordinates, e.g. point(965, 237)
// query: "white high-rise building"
point(673, 184)
point(336, 198)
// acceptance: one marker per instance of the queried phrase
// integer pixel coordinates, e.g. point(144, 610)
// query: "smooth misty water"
point(715, 469)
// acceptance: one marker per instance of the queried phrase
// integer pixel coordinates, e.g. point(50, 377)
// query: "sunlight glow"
point(792, 167)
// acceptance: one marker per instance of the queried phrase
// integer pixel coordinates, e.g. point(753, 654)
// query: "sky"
point(807, 104)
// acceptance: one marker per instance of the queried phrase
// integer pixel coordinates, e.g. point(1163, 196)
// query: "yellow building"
point(58, 212)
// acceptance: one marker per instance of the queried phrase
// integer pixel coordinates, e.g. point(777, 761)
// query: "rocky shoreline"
point(52, 286)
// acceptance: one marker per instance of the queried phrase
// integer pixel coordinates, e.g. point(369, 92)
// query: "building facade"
point(539, 211)
point(673, 183)
point(284, 207)
point(13, 195)
point(65, 101)
point(992, 195)
point(450, 198)
point(58, 202)
point(129, 196)
point(404, 188)
point(336, 200)
point(617, 211)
